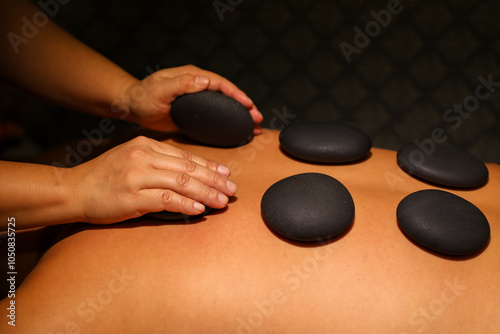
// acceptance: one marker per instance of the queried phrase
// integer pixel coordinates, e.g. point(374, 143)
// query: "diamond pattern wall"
point(286, 54)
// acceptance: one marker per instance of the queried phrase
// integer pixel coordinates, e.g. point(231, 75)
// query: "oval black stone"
point(308, 207)
point(442, 165)
point(213, 119)
point(325, 142)
point(443, 222)
point(177, 216)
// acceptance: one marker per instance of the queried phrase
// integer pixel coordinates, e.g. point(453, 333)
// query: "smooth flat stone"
point(213, 119)
point(308, 207)
point(443, 222)
point(177, 216)
point(443, 165)
point(325, 142)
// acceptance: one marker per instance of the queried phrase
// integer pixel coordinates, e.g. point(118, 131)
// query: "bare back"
point(228, 273)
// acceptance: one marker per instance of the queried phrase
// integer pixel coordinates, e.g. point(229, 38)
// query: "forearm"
point(54, 65)
point(36, 195)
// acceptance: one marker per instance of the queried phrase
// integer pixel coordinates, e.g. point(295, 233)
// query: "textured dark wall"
point(286, 56)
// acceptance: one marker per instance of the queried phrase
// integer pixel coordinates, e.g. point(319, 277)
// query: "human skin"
point(52, 64)
point(228, 273)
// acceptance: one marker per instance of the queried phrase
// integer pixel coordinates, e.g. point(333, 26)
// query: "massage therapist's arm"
point(137, 177)
point(140, 176)
point(52, 64)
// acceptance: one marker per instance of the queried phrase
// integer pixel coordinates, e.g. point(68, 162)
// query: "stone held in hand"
point(443, 165)
point(213, 119)
point(443, 222)
point(308, 207)
point(325, 142)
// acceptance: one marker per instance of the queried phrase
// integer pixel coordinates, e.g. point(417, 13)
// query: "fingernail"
point(231, 186)
point(199, 207)
point(223, 170)
point(202, 81)
point(223, 198)
point(259, 115)
point(257, 130)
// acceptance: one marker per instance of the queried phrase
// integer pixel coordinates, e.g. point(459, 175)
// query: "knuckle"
point(183, 180)
point(186, 155)
point(184, 81)
point(211, 194)
point(140, 140)
point(137, 148)
point(167, 197)
point(190, 67)
point(190, 166)
point(152, 80)
point(216, 178)
point(136, 154)
point(183, 202)
point(212, 165)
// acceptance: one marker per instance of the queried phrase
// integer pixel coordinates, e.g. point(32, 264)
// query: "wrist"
point(123, 104)
point(70, 188)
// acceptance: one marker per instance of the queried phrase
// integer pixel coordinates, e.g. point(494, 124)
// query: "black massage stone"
point(325, 142)
point(177, 216)
point(443, 222)
point(308, 207)
point(213, 119)
point(443, 165)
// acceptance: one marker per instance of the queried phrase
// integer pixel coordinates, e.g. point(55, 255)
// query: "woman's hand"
point(144, 175)
point(148, 102)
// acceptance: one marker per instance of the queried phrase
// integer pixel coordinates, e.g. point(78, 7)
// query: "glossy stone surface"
point(443, 222)
point(176, 216)
point(442, 165)
point(213, 119)
point(325, 142)
point(308, 207)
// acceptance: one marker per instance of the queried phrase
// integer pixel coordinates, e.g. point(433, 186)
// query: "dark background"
point(285, 55)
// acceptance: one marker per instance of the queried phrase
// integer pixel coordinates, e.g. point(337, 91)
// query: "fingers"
point(187, 172)
point(171, 201)
point(173, 151)
point(231, 90)
point(181, 187)
point(191, 79)
point(188, 83)
point(188, 179)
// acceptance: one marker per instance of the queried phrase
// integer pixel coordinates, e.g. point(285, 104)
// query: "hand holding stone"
point(148, 102)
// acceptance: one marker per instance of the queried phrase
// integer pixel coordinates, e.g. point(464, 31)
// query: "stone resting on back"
point(312, 207)
point(233, 272)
